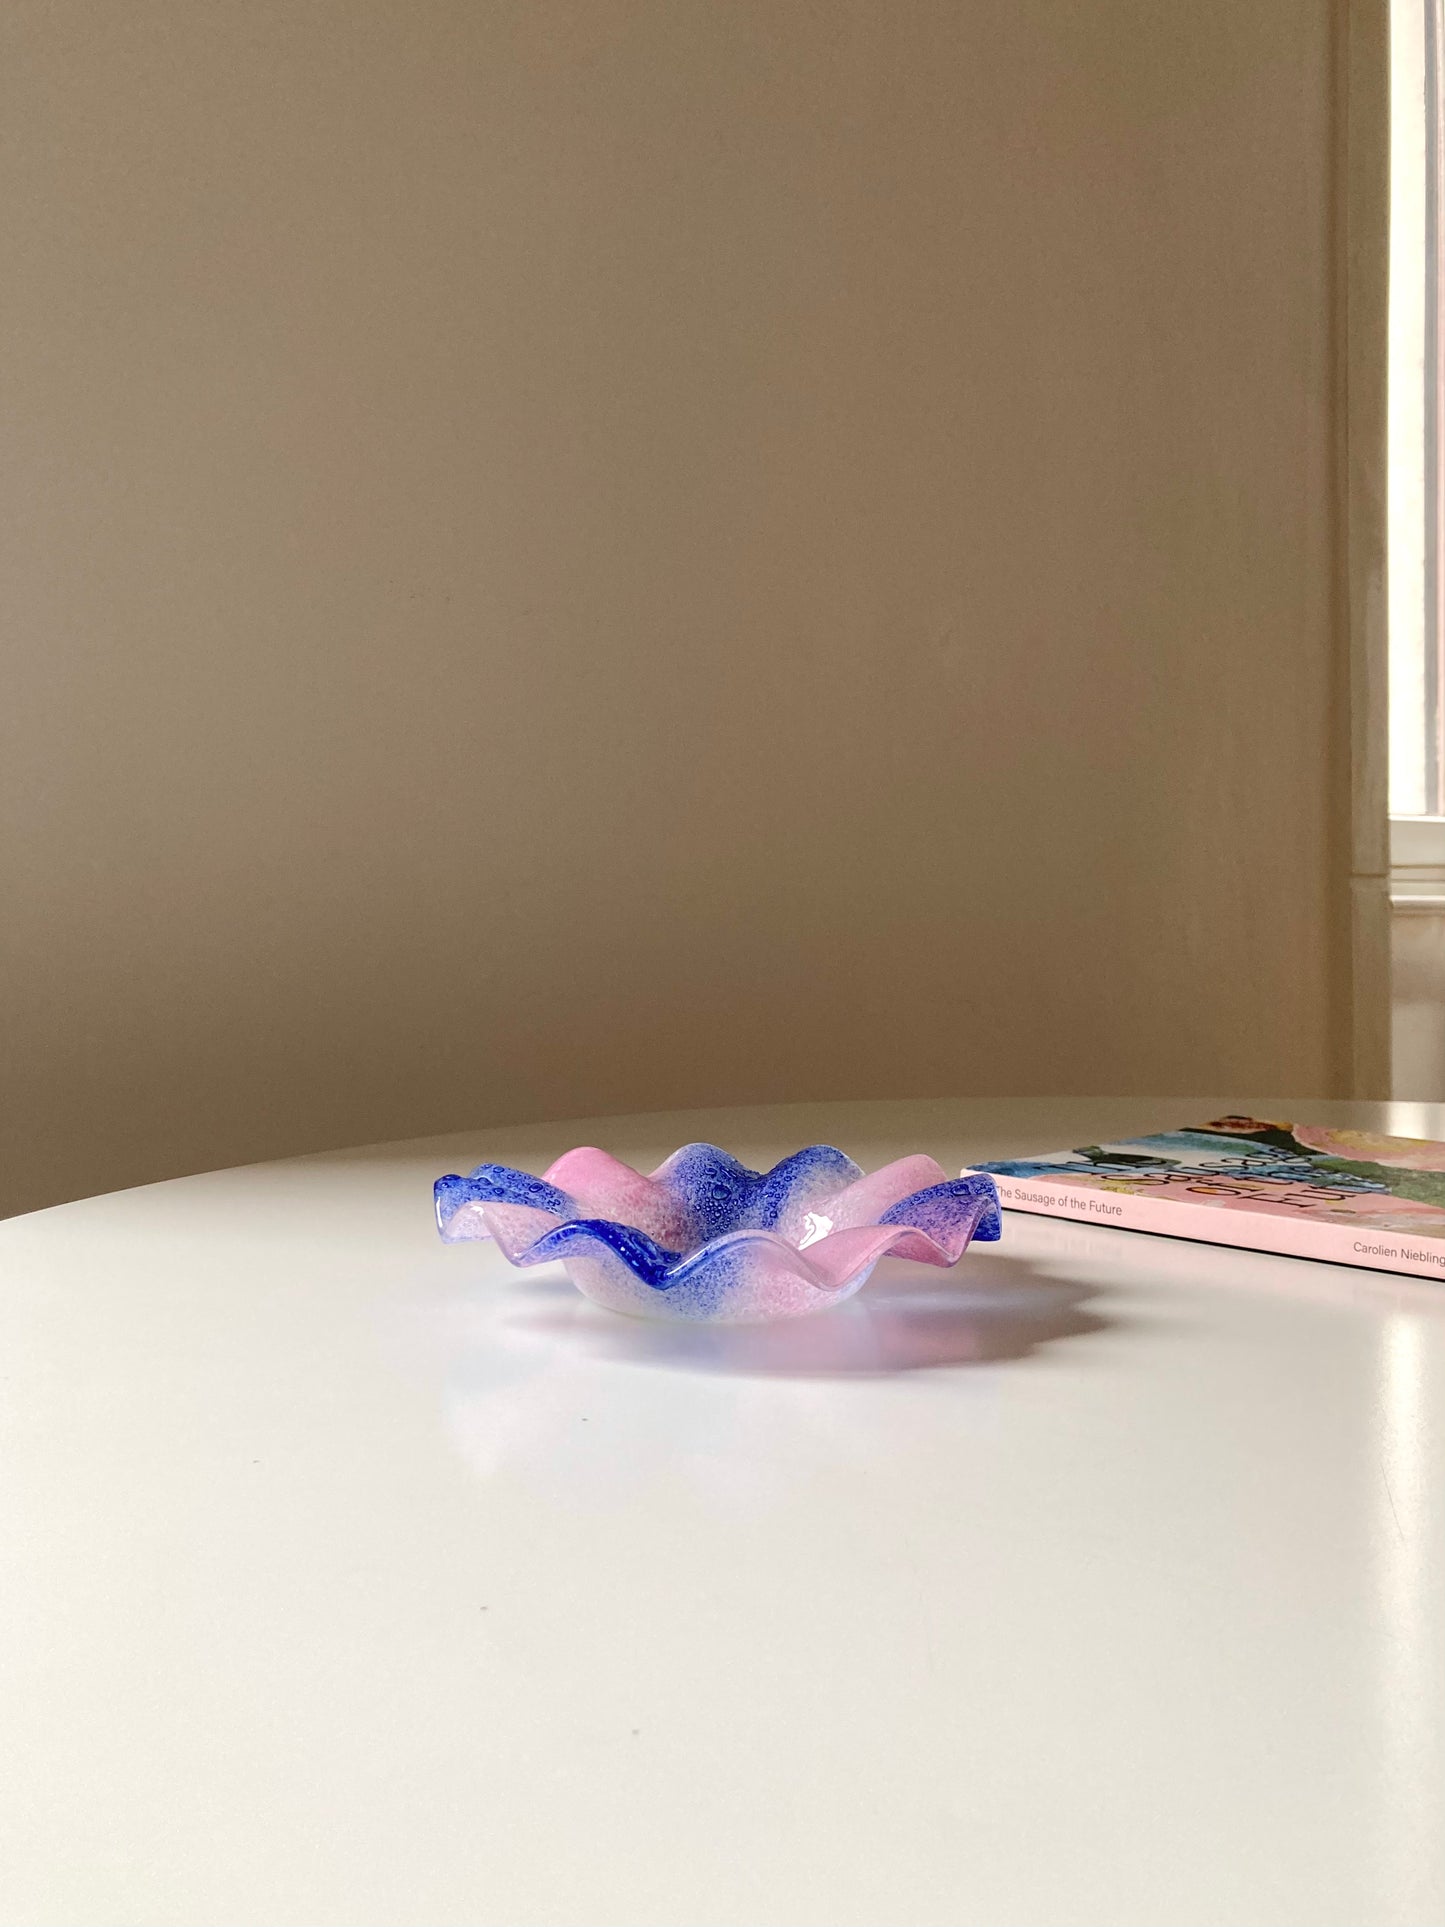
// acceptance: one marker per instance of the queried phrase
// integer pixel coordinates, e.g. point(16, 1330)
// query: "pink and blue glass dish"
point(704, 1238)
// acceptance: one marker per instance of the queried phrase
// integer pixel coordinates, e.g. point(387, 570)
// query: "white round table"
point(349, 1578)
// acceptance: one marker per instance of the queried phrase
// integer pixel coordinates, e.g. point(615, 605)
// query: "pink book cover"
point(1307, 1190)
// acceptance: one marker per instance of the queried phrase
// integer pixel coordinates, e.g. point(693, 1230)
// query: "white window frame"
point(1416, 549)
point(1413, 353)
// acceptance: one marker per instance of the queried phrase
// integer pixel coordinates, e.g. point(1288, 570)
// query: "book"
point(1308, 1191)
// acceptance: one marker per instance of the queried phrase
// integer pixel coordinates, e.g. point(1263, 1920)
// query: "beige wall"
point(568, 557)
point(1418, 947)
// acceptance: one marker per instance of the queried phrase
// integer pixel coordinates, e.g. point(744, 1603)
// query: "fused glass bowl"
point(705, 1238)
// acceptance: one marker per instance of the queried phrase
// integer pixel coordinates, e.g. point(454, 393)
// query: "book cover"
point(1308, 1191)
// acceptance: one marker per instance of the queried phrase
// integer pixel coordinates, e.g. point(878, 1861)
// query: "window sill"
point(1417, 866)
